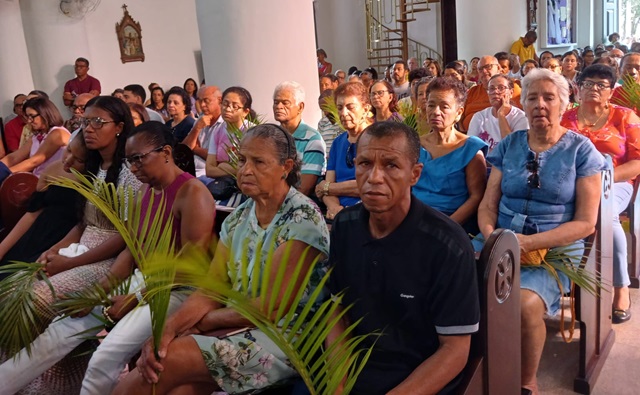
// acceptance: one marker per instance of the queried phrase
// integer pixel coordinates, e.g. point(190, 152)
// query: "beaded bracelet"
point(105, 313)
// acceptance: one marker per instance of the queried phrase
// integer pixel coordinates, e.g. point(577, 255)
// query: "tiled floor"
point(621, 372)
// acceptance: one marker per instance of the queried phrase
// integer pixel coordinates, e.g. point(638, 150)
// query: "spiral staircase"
point(387, 32)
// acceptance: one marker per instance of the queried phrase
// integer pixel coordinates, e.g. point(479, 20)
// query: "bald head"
point(210, 97)
point(80, 101)
point(488, 66)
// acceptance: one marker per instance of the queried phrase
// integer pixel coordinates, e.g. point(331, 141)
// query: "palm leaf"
point(329, 106)
point(145, 234)
point(630, 92)
point(299, 331)
point(235, 136)
point(20, 313)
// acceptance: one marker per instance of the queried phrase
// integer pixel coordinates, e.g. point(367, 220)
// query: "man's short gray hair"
point(546, 75)
point(296, 88)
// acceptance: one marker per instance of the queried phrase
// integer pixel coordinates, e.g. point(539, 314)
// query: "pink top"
point(36, 141)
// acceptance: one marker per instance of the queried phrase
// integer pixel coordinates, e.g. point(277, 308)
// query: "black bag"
point(222, 188)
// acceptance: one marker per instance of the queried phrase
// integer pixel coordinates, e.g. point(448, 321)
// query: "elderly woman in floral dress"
point(276, 216)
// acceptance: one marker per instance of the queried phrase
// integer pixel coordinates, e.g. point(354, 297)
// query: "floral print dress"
point(249, 360)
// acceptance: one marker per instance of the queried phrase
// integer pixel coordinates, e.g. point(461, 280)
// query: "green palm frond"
point(235, 136)
point(147, 235)
point(20, 313)
point(329, 106)
point(298, 329)
point(630, 92)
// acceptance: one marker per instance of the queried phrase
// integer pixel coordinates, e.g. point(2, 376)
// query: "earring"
point(166, 160)
point(606, 105)
point(284, 176)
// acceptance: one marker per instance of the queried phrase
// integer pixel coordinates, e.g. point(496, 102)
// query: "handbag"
point(222, 188)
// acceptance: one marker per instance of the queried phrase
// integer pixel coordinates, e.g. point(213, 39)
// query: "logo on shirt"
point(407, 296)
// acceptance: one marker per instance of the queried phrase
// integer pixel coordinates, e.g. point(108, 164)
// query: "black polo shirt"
point(415, 284)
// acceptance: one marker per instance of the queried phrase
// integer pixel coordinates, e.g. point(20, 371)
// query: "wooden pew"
point(633, 214)
point(594, 313)
point(15, 192)
point(494, 359)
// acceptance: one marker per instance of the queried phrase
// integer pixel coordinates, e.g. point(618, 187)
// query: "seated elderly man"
point(477, 97)
point(200, 135)
point(288, 105)
point(77, 109)
point(396, 279)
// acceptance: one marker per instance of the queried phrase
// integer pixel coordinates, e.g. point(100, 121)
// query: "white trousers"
point(106, 364)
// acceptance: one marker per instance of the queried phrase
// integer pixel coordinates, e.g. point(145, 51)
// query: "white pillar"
point(15, 74)
point(257, 44)
point(54, 41)
point(485, 28)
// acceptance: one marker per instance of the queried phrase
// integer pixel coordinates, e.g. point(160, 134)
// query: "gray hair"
point(296, 88)
point(285, 146)
point(546, 75)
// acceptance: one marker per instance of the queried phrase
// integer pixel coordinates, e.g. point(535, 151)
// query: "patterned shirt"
point(311, 150)
point(329, 131)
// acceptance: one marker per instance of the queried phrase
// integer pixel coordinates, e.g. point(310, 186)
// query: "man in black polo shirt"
point(408, 269)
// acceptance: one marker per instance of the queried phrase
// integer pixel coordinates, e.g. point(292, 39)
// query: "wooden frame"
point(557, 23)
point(129, 35)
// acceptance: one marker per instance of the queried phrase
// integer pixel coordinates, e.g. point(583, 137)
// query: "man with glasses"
point(83, 83)
point(209, 120)
point(288, 105)
point(477, 97)
point(73, 124)
point(630, 70)
point(13, 128)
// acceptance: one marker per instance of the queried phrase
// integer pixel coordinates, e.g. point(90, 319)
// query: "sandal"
point(619, 316)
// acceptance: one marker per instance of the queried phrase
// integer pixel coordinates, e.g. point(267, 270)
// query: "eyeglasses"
point(487, 67)
point(18, 105)
point(378, 93)
point(532, 166)
point(96, 123)
point(31, 118)
point(232, 106)
point(591, 85)
point(351, 155)
point(499, 89)
point(74, 107)
point(137, 159)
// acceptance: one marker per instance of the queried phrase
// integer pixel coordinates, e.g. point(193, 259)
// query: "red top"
point(76, 87)
point(12, 133)
point(619, 137)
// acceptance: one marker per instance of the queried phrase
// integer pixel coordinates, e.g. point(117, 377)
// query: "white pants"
point(122, 343)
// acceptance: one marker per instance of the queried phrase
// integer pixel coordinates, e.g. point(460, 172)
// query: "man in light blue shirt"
point(288, 105)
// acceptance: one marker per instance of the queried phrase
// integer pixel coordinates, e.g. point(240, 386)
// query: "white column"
point(257, 44)
point(15, 74)
point(487, 27)
point(54, 41)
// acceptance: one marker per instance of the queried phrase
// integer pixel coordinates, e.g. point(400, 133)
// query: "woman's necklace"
point(586, 122)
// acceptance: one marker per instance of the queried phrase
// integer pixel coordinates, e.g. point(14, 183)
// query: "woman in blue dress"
point(545, 186)
point(454, 174)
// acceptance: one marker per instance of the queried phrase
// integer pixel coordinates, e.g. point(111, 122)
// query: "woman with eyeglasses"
point(615, 131)
point(236, 109)
point(493, 124)
point(454, 173)
point(544, 186)
point(178, 106)
point(48, 140)
point(149, 150)
point(339, 189)
point(384, 103)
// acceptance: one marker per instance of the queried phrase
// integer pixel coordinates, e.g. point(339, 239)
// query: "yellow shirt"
point(524, 53)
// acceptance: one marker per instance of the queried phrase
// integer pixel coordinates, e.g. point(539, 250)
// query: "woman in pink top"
point(48, 141)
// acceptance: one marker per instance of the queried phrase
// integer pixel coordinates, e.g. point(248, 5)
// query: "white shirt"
point(204, 138)
point(485, 126)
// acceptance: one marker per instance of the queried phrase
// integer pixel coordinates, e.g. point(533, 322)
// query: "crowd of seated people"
point(379, 182)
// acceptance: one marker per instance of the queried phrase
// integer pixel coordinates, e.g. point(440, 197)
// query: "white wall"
point(426, 28)
point(170, 41)
point(487, 27)
point(342, 32)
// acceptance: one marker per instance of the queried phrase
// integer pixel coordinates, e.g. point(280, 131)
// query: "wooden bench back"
point(494, 359)
point(634, 229)
point(15, 192)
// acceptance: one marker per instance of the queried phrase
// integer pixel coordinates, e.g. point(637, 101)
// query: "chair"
point(15, 192)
